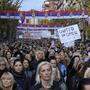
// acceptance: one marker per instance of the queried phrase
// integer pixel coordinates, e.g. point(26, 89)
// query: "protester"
point(8, 82)
point(19, 74)
point(27, 69)
point(55, 70)
point(44, 78)
point(3, 66)
point(11, 61)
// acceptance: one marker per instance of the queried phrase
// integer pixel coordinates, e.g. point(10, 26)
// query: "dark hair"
point(17, 60)
point(27, 60)
point(8, 52)
point(76, 56)
point(83, 82)
point(73, 58)
point(52, 57)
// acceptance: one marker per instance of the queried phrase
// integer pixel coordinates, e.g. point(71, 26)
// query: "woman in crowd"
point(11, 61)
point(19, 74)
point(29, 55)
point(44, 78)
point(8, 55)
point(8, 82)
point(3, 66)
point(73, 77)
point(61, 65)
point(55, 70)
point(27, 70)
point(39, 57)
point(57, 73)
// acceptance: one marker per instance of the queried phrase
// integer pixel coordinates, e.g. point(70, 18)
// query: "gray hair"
point(38, 80)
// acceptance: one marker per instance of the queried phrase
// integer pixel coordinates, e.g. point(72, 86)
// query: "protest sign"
point(69, 33)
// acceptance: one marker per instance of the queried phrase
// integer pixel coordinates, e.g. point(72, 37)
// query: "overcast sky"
point(31, 4)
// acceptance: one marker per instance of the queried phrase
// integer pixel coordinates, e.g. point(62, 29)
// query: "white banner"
point(69, 33)
point(35, 34)
point(69, 44)
point(45, 34)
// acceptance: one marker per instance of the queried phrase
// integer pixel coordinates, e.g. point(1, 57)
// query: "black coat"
point(20, 79)
point(55, 86)
point(14, 87)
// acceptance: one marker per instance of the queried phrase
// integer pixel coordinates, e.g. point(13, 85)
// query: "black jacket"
point(20, 79)
point(14, 87)
point(55, 86)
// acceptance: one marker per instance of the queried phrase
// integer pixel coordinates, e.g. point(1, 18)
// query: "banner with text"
point(69, 33)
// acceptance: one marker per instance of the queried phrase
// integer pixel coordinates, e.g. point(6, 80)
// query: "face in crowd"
point(45, 72)
point(11, 61)
point(18, 66)
point(39, 55)
point(76, 61)
point(57, 56)
point(7, 80)
point(26, 63)
point(53, 63)
point(28, 56)
point(62, 55)
point(8, 55)
point(2, 64)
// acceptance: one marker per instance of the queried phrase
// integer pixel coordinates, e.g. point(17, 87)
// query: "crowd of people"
point(37, 65)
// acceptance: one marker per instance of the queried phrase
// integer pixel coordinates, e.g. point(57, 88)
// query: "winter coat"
point(14, 87)
point(28, 72)
point(56, 86)
point(20, 79)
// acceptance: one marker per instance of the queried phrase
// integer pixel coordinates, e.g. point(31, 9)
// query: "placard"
point(69, 33)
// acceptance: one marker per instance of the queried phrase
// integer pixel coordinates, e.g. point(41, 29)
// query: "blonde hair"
point(38, 80)
point(39, 51)
point(87, 73)
point(7, 74)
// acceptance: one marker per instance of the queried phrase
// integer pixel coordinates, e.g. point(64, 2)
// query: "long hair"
point(7, 74)
point(38, 80)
